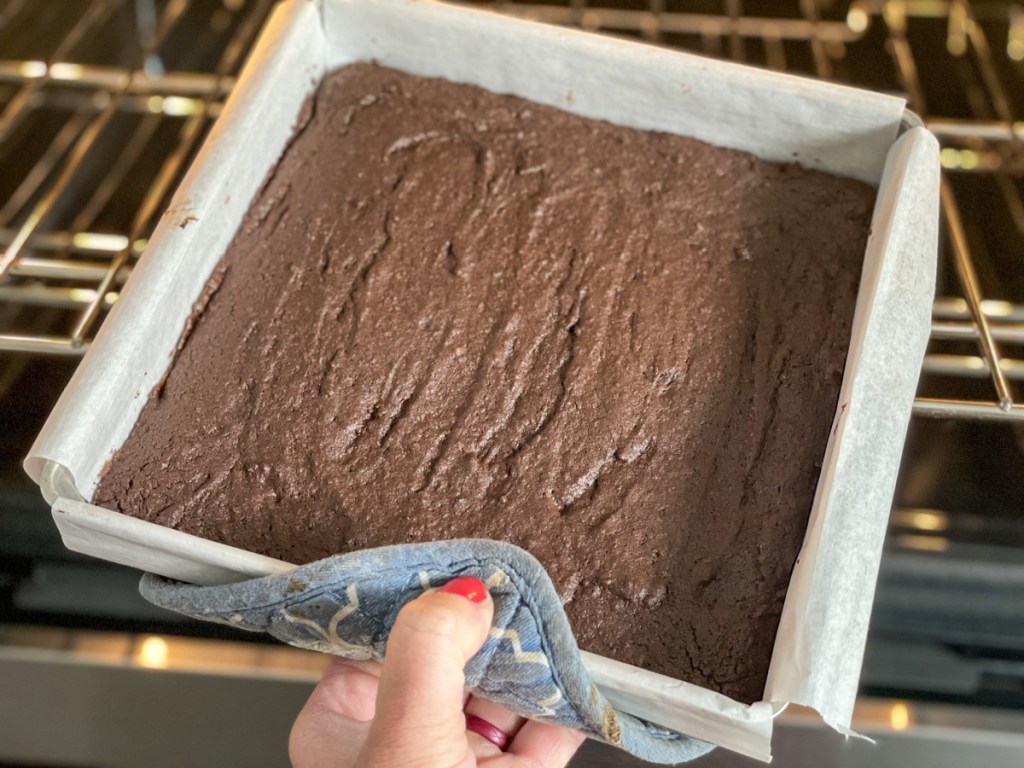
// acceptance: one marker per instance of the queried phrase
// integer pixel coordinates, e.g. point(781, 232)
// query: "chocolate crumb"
point(614, 348)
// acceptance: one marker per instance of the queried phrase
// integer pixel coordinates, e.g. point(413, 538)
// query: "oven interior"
point(103, 104)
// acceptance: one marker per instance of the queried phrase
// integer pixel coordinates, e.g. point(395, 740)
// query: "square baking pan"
point(819, 645)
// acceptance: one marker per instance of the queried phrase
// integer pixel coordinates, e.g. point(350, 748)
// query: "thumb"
point(419, 718)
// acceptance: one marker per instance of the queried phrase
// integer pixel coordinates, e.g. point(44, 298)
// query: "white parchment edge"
point(820, 643)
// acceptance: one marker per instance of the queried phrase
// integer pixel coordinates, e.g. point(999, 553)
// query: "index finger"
point(348, 688)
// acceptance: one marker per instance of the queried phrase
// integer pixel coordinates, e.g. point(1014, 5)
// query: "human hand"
point(411, 711)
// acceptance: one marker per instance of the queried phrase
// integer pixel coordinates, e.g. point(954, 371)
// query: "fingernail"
point(468, 587)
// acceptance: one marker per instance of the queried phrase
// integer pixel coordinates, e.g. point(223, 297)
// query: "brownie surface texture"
point(450, 313)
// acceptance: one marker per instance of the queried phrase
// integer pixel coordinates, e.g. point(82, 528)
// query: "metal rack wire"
point(960, 64)
point(60, 251)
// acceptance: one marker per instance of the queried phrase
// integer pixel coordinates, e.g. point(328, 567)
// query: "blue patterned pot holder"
point(345, 605)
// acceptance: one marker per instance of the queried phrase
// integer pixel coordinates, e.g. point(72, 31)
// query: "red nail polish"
point(468, 587)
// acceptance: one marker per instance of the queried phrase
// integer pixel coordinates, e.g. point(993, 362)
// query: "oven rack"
point(64, 256)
